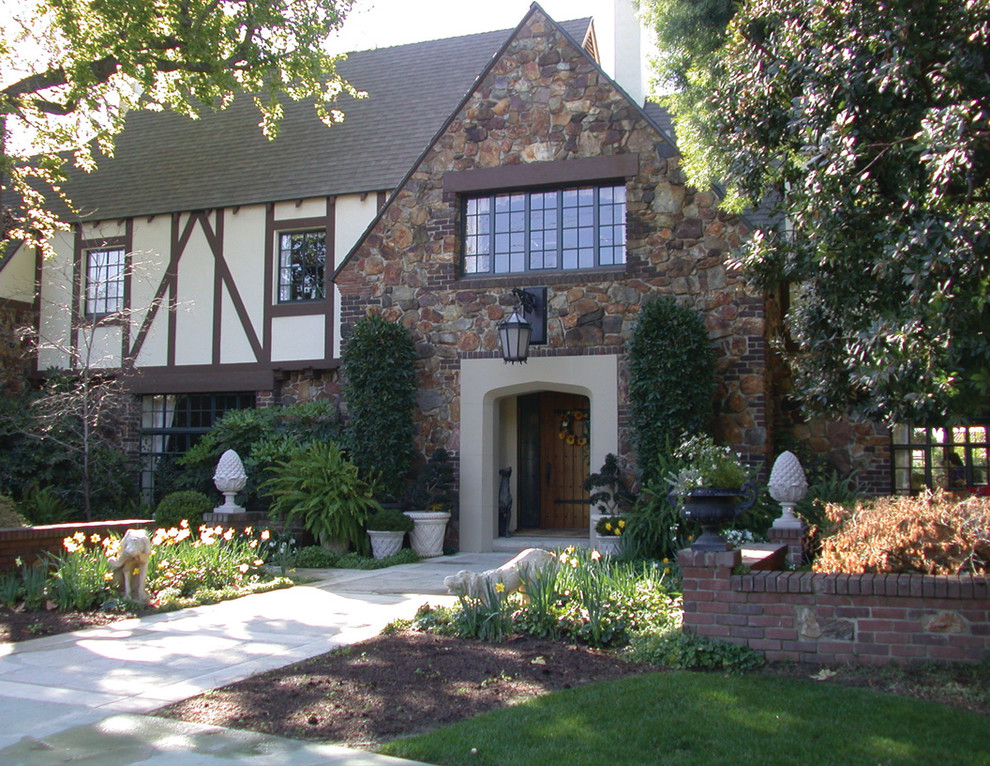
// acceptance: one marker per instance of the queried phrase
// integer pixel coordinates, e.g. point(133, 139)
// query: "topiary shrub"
point(930, 533)
point(380, 390)
point(186, 504)
point(671, 380)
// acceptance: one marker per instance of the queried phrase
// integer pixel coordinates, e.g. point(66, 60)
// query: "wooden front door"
point(554, 433)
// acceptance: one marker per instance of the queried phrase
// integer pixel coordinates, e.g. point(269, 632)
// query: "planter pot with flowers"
point(608, 497)
point(387, 529)
point(431, 500)
point(609, 530)
point(713, 489)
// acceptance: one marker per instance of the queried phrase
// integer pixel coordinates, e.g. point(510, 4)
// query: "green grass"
point(684, 718)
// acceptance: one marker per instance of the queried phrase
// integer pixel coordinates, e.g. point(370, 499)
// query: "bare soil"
point(394, 685)
point(23, 625)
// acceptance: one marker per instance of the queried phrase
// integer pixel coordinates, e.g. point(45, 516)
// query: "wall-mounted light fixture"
point(516, 332)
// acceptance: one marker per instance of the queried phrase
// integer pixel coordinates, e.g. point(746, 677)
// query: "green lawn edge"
point(683, 718)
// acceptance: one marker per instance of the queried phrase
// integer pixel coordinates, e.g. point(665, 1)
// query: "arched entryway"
point(492, 394)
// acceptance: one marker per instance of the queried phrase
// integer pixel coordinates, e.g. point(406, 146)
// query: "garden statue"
point(511, 575)
point(504, 502)
point(229, 478)
point(788, 486)
point(131, 564)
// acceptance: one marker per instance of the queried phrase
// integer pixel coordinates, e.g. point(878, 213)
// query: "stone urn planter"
point(427, 535)
point(385, 543)
point(711, 508)
point(608, 545)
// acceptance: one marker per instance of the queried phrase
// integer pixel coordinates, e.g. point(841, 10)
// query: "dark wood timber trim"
point(328, 286)
point(542, 174)
point(199, 378)
point(269, 292)
point(76, 310)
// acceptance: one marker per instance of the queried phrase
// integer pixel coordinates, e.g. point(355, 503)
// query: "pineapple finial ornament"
point(229, 478)
point(788, 486)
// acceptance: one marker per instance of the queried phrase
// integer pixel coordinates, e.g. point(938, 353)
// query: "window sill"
point(300, 308)
point(530, 278)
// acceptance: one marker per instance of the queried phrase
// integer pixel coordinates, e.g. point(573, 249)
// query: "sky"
point(382, 23)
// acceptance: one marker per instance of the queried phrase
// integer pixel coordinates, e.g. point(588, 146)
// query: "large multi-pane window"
point(513, 233)
point(171, 424)
point(950, 458)
point(302, 265)
point(104, 281)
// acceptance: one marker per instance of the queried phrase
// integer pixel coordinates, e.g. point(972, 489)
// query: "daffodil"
point(595, 555)
point(500, 587)
point(265, 534)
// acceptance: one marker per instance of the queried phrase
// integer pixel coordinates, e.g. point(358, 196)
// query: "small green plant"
point(34, 578)
point(9, 516)
point(11, 589)
point(187, 505)
point(706, 464)
point(688, 651)
point(42, 505)
point(80, 578)
point(390, 520)
point(321, 489)
point(432, 490)
point(314, 557)
point(354, 561)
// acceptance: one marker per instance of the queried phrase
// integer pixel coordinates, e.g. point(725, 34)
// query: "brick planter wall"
point(832, 618)
point(28, 543)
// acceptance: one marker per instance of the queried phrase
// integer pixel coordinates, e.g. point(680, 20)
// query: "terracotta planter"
point(428, 533)
point(385, 543)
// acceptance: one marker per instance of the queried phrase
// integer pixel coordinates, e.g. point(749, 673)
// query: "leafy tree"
point(865, 126)
point(73, 68)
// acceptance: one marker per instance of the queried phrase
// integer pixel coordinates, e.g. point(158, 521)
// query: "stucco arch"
point(485, 385)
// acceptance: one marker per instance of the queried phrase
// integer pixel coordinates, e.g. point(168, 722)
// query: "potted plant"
point(608, 497)
point(609, 530)
point(712, 487)
point(320, 488)
point(386, 530)
point(430, 503)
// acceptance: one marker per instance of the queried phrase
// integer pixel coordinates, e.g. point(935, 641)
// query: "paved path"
point(81, 697)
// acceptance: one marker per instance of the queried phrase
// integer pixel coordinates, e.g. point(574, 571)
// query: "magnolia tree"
point(866, 128)
point(71, 69)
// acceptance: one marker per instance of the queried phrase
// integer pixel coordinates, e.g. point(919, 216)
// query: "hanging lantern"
point(514, 334)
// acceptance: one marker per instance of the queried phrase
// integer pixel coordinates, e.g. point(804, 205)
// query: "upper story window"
point(953, 458)
point(302, 265)
point(104, 281)
point(559, 229)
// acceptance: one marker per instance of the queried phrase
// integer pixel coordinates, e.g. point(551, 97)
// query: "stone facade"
point(544, 100)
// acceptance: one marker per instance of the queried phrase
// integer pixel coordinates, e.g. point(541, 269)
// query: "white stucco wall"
point(17, 277)
point(298, 338)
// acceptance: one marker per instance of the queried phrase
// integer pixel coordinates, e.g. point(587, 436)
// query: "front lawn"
point(681, 718)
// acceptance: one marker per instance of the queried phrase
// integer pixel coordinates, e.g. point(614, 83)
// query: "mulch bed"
point(396, 685)
point(21, 626)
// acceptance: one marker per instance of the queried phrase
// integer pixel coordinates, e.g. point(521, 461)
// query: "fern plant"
point(321, 489)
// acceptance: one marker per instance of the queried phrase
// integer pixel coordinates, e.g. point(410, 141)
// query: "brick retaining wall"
point(28, 543)
point(834, 618)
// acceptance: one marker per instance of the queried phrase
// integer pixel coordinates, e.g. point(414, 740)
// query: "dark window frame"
point(504, 232)
point(298, 277)
point(950, 457)
point(104, 302)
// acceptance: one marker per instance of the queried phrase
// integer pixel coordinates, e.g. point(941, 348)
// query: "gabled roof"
point(166, 163)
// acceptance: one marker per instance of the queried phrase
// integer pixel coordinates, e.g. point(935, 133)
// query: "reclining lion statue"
point(512, 575)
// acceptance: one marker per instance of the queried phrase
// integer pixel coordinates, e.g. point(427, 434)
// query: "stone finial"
point(788, 486)
point(229, 478)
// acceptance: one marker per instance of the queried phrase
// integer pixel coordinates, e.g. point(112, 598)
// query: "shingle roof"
point(166, 163)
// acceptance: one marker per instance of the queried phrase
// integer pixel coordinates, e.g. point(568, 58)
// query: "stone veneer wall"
point(830, 618)
point(544, 101)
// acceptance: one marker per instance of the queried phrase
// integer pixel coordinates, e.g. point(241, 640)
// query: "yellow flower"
point(595, 555)
point(244, 568)
point(618, 530)
point(248, 531)
point(265, 534)
point(500, 587)
point(80, 537)
point(229, 534)
point(135, 571)
point(108, 576)
point(94, 538)
point(608, 526)
point(666, 560)
point(253, 544)
point(622, 523)
point(258, 562)
point(184, 523)
point(666, 570)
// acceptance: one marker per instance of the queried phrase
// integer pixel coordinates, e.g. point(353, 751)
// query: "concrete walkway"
point(81, 697)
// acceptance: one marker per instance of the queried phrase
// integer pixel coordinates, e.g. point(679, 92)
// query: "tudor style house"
point(231, 269)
